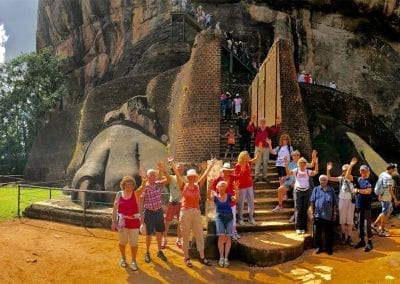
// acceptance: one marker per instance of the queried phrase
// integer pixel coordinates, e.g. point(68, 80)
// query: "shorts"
point(387, 207)
point(173, 209)
point(346, 211)
point(154, 221)
point(224, 223)
point(126, 234)
point(281, 171)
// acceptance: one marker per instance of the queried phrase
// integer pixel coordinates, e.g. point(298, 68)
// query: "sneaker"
point(234, 237)
point(368, 247)
point(384, 234)
point(253, 222)
point(237, 235)
point(226, 263)
point(163, 243)
point(221, 262)
point(240, 222)
point(122, 262)
point(302, 232)
point(147, 258)
point(349, 241)
point(161, 255)
point(360, 244)
point(298, 232)
point(291, 219)
point(178, 243)
point(277, 209)
point(134, 266)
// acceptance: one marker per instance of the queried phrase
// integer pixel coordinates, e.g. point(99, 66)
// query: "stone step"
point(269, 201)
point(262, 214)
point(266, 225)
point(270, 248)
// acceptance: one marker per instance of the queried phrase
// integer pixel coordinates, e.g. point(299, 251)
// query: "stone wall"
point(194, 109)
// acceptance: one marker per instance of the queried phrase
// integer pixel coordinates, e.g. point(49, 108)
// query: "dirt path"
point(33, 251)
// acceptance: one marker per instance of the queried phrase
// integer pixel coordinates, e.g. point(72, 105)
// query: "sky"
point(17, 28)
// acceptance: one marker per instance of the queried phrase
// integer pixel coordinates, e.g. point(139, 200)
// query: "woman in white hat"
point(190, 216)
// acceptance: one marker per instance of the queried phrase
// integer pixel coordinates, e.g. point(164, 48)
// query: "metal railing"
point(30, 194)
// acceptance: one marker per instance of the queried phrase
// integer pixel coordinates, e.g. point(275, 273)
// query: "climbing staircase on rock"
point(181, 18)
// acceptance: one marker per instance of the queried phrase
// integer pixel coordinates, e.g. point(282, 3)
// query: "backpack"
point(379, 189)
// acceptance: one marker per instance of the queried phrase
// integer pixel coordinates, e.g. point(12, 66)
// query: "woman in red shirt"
point(126, 218)
point(246, 192)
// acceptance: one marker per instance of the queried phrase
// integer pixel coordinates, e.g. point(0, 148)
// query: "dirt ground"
point(34, 251)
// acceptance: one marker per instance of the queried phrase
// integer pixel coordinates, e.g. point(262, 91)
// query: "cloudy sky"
point(17, 27)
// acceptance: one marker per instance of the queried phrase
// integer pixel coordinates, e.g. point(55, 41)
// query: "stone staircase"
point(274, 239)
point(180, 18)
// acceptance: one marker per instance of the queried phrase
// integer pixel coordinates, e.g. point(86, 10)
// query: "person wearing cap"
point(152, 209)
point(125, 218)
point(385, 198)
point(227, 176)
point(346, 206)
point(363, 191)
point(302, 190)
point(190, 216)
point(262, 134)
point(300, 77)
point(323, 211)
point(237, 102)
point(228, 107)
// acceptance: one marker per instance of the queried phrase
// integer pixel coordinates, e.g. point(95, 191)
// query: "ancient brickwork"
point(294, 119)
point(194, 109)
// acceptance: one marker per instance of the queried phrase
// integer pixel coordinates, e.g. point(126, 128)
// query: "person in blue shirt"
point(363, 191)
point(324, 203)
point(223, 218)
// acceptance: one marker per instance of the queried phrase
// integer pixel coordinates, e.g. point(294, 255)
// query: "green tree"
point(31, 88)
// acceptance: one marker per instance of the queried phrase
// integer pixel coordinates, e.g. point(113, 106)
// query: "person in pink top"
point(246, 192)
point(190, 216)
point(262, 134)
point(302, 190)
point(126, 218)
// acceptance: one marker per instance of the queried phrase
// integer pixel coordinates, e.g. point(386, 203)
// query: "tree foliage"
point(31, 88)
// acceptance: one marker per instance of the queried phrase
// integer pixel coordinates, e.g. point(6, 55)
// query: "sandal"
point(188, 262)
point(205, 261)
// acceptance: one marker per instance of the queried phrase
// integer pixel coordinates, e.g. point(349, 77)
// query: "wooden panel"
point(261, 92)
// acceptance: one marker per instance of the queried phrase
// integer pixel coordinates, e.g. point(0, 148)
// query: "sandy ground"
point(34, 251)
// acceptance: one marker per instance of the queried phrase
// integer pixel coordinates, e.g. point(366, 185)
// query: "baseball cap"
point(364, 168)
point(227, 167)
point(391, 166)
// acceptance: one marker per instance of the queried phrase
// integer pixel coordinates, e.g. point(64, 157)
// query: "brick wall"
point(294, 119)
point(194, 109)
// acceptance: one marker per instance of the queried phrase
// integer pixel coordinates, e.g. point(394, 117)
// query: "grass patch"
point(9, 199)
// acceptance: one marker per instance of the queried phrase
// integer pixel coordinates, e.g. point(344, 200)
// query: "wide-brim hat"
point(191, 173)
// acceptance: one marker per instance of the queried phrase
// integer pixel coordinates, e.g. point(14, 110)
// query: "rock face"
point(121, 49)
